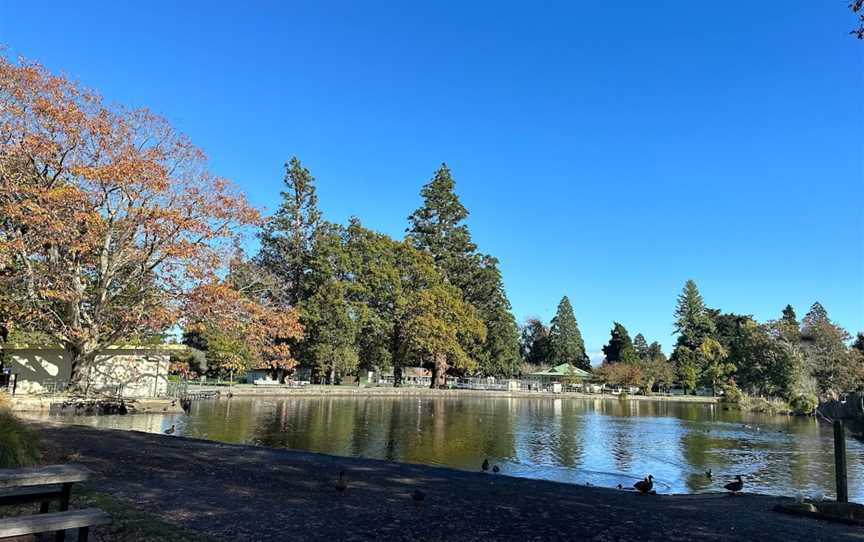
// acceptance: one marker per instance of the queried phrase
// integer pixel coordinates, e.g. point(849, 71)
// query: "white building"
point(128, 371)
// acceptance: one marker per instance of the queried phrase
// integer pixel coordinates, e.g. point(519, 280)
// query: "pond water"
point(601, 442)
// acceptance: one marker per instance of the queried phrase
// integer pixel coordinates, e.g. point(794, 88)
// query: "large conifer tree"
point(288, 237)
point(565, 339)
point(438, 227)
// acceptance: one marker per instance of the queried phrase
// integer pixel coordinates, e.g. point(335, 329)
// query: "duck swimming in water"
point(170, 430)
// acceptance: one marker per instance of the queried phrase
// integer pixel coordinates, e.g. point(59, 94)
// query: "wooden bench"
point(44, 485)
point(55, 522)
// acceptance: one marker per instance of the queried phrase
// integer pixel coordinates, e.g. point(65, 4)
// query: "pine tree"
point(641, 346)
point(287, 238)
point(536, 349)
point(565, 339)
point(620, 347)
point(438, 227)
point(692, 320)
point(788, 327)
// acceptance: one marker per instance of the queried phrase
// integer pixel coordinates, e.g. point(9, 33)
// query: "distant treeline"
point(781, 358)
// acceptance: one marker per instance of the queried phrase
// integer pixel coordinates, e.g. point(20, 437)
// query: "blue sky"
point(606, 150)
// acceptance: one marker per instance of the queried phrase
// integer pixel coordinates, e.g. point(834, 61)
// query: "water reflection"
point(601, 442)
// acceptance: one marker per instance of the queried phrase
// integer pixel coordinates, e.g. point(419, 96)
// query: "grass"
point(128, 524)
point(19, 445)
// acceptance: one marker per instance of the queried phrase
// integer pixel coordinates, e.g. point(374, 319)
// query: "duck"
point(170, 430)
point(736, 486)
point(619, 486)
point(709, 474)
point(418, 497)
point(485, 465)
point(341, 483)
point(646, 485)
point(496, 469)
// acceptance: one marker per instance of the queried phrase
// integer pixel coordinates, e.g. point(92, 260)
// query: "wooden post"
point(840, 461)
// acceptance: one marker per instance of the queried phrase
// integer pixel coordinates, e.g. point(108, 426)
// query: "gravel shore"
point(235, 492)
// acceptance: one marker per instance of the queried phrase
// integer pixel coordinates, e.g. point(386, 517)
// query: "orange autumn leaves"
point(110, 222)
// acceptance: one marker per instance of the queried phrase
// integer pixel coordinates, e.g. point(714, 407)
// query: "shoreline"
point(35, 403)
point(244, 492)
point(249, 390)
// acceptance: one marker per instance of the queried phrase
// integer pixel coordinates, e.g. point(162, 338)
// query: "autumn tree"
point(238, 323)
point(108, 216)
point(565, 340)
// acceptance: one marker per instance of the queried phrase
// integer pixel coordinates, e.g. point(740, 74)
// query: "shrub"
point(19, 445)
point(804, 403)
point(732, 394)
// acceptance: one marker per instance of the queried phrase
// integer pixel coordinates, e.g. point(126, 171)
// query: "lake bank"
point(250, 390)
point(237, 492)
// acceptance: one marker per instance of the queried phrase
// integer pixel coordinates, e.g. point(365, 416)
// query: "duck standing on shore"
point(736, 486)
point(418, 497)
point(646, 485)
point(485, 465)
point(341, 483)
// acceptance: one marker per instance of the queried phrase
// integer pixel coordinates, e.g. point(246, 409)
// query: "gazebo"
point(564, 374)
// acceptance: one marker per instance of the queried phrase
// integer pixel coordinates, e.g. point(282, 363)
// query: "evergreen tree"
point(692, 320)
point(826, 357)
point(438, 227)
point(565, 339)
point(790, 329)
point(620, 347)
point(288, 237)
point(641, 346)
point(536, 347)
point(693, 324)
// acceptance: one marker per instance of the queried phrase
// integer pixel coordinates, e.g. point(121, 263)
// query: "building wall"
point(130, 372)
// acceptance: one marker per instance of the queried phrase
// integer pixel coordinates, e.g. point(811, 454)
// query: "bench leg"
point(64, 506)
point(82, 534)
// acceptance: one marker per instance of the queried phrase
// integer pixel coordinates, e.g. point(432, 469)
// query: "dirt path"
point(250, 493)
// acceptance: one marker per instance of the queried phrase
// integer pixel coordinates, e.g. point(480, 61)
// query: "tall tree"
point(536, 348)
point(565, 339)
point(641, 347)
point(108, 216)
point(827, 358)
point(330, 343)
point(439, 227)
point(693, 324)
point(620, 347)
point(288, 237)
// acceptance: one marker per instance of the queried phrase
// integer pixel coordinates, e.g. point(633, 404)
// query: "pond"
point(602, 442)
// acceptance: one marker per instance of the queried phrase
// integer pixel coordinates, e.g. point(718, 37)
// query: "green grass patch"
point(19, 444)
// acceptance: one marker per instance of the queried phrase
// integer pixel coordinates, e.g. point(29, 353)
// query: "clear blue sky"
point(606, 150)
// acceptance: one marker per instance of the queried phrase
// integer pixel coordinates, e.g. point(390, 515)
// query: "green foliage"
point(732, 394)
point(826, 356)
point(565, 340)
point(288, 237)
point(692, 321)
point(620, 347)
point(804, 404)
point(535, 344)
point(439, 228)
point(19, 445)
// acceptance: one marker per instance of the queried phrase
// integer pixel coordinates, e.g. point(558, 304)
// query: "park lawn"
point(128, 524)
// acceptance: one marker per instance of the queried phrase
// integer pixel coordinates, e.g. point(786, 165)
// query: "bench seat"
point(57, 521)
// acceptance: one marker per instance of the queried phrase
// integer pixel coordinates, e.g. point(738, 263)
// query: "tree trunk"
point(332, 375)
point(82, 357)
point(439, 372)
point(397, 357)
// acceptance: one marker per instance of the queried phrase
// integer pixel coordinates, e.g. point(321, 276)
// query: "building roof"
point(565, 369)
